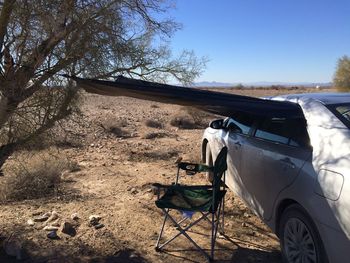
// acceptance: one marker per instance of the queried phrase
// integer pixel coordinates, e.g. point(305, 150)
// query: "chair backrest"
point(220, 166)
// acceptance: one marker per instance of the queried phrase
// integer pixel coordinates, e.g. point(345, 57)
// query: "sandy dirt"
point(114, 182)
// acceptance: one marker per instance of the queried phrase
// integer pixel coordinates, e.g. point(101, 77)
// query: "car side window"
point(285, 131)
point(240, 123)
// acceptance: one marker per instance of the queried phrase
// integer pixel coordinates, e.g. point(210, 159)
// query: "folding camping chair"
point(206, 199)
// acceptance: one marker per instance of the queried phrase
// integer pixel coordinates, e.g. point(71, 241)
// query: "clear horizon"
point(265, 41)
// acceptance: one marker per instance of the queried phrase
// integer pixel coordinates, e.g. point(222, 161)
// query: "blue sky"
point(265, 40)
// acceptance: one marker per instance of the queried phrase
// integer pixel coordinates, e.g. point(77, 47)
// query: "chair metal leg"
point(223, 218)
point(212, 244)
point(180, 229)
point(162, 228)
point(183, 232)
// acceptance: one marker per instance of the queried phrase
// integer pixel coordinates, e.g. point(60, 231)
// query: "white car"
point(293, 173)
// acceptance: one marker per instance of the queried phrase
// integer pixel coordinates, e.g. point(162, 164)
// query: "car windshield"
point(342, 111)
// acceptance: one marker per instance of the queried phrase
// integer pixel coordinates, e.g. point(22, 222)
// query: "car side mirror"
point(217, 124)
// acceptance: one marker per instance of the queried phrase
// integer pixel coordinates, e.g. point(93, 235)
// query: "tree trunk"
point(5, 152)
point(3, 111)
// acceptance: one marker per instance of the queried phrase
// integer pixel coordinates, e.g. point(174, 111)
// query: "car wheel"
point(209, 162)
point(300, 241)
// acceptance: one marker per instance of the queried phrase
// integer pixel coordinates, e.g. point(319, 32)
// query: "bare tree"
point(94, 38)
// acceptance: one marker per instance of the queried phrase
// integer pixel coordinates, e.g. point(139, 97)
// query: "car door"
point(235, 132)
point(272, 160)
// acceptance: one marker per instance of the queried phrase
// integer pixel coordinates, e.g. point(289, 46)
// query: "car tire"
point(300, 240)
point(209, 162)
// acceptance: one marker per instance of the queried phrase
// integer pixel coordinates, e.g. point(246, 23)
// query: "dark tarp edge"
point(211, 101)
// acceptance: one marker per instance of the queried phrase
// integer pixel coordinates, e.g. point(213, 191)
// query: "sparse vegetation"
point(190, 118)
point(154, 135)
point(34, 176)
point(341, 78)
point(115, 126)
point(182, 121)
point(154, 124)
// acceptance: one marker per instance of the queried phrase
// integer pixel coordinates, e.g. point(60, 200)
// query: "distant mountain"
point(213, 84)
point(261, 84)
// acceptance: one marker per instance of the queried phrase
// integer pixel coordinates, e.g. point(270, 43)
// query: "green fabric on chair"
point(189, 198)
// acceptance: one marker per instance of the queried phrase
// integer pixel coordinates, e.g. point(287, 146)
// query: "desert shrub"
point(200, 118)
point(191, 118)
point(153, 124)
point(154, 135)
point(182, 121)
point(155, 106)
point(33, 176)
point(115, 126)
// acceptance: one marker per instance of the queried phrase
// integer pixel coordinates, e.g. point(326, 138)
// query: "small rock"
point(50, 228)
point(244, 224)
point(94, 217)
point(42, 218)
point(98, 226)
point(74, 216)
point(246, 215)
point(36, 213)
point(94, 220)
point(30, 222)
point(92, 145)
point(69, 229)
point(56, 223)
point(54, 216)
point(53, 235)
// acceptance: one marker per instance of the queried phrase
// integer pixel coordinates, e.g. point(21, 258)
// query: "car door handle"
point(238, 144)
point(288, 162)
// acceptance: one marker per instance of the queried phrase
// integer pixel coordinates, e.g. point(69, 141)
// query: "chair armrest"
point(193, 168)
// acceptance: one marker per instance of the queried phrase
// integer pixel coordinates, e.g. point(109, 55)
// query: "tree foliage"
point(94, 38)
point(341, 79)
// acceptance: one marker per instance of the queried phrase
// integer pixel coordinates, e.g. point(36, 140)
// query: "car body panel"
point(266, 174)
point(267, 169)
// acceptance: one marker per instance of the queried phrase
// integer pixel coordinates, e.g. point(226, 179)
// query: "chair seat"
point(190, 198)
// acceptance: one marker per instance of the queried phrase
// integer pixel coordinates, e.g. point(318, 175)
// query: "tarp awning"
point(210, 101)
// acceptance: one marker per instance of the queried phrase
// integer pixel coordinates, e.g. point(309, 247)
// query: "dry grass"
point(115, 126)
point(33, 176)
point(190, 118)
point(154, 135)
point(154, 124)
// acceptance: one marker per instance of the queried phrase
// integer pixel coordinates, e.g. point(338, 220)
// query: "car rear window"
point(342, 111)
point(284, 131)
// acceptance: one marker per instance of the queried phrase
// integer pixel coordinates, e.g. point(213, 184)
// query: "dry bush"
point(200, 118)
point(33, 176)
point(183, 121)
point(154, 124)
point(190, 118)
point(113, 125)
point(155, 106)
point(154, 135)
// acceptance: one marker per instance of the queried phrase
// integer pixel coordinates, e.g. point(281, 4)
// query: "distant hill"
point(261, 84)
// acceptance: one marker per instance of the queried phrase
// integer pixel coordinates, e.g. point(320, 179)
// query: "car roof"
point(324, 98)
